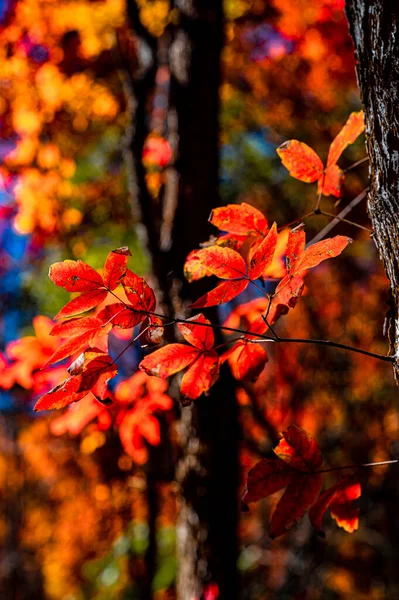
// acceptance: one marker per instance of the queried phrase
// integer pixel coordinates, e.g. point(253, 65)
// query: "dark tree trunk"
point(374, 27)
point(207, 471)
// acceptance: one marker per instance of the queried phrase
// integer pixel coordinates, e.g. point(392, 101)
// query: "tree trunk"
point(207, 471)
point(374, 27)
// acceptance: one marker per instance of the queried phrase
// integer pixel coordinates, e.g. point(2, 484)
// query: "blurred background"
point(124, 125)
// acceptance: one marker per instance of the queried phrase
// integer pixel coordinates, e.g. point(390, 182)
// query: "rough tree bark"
point(374, 27)
point(207, 471)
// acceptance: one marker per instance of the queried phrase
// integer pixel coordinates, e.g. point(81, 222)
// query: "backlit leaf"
point(240, 219)
point(299, 449)
point(224, 292)
point(222, 262)
point(199, 336)
point(340, 496)
point(301, 161)
point(348, 134)
point(168, 360)
point(82, 303)
point(115, 267)
point(138, 292)
point(200, 376)
point(262, 258)
point(75, 276)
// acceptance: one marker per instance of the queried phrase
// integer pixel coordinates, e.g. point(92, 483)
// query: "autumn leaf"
point(262, 257)
point(246, 360)
point(138, 292)
point(222, 262)
point(295, 469)
point(301, 161)
point(224, 292)
point(339, 499)
point(304, 164)
point(239, 219)
point(86, 373)
point(75, 276)
point(115, 267)
point(203, 362)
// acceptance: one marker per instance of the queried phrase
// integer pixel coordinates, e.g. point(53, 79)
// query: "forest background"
point(95, 131)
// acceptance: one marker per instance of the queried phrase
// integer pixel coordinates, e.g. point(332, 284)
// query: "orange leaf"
point(82, 303)
point(330, 183)
point(265, 478)
point(199, 336)
point(348, 134)
point(299, 449)
point(138, 292)
point(301, 161)
point(240, 219)
point(75, 276)
point(224, 292)
point(168, 360)
point(70, 390)
point(316, 253)
point(115, 267)
point(339, 498)
point(246, 360)
point(295, 246)
point(222, 262)
point(261, 259)
point(300, 494)
point(201, 375)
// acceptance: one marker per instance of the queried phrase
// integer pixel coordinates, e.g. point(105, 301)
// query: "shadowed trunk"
point(374, 27)
point(175, 224)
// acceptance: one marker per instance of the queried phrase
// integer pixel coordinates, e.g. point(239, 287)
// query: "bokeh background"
point(77, 488)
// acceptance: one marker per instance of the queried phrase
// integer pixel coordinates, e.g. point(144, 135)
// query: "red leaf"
point(295, 246)
point(246, 360)
point(261, 259)
point(85, 374)
point(299, 449)
point(222, 262)
point(168, 360)
point(70, 390)
point(75, 327)
point(265, 478)
point(82, 303)
point(348, 134)
point(330, 183)
point(300, 494)
point(115, 267)
point(339, 498)
point(201, 375)
point(138, 292)
point(120, 316)
point(199, 336)
point(73, 346)
point(301, 161)
point(240, 219)
point(224, 292)
point(316, 253)
point(75, 276)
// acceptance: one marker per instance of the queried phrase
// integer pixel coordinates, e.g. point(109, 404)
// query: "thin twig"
point(327, 229)
point(356, 164)
point(375, 464)
point(331, 216)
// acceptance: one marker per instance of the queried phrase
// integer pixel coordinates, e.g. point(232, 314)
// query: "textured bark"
point(374, 27)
